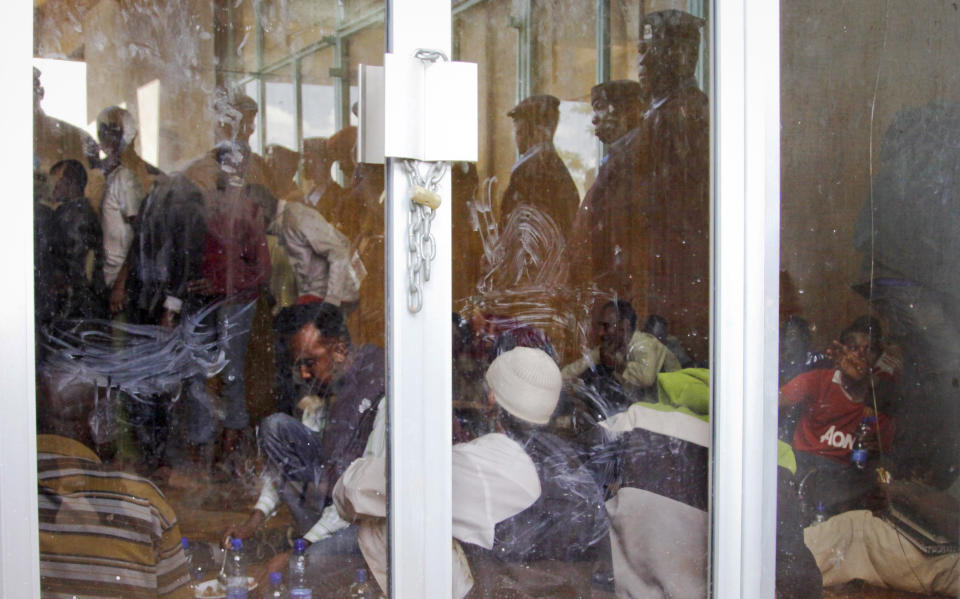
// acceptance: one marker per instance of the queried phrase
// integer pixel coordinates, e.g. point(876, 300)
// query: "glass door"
point(222, 310)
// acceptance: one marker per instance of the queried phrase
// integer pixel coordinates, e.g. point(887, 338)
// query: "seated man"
point(103, 533)
point(835, 403)
point(657, 326)
point(858, 545)
point(624, 368)
point(659, 526)
point(519, 494)
point(341, 421)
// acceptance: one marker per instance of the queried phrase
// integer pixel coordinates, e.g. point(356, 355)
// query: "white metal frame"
point(419, 346)
point(746, 115)
point(745, 304)
point(19, 566)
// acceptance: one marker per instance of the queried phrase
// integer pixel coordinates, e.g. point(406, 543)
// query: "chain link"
point(421, 245)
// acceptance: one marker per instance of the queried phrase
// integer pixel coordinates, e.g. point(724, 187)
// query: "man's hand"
point(243, 531)
point(169, 319)
point(849, 363)
point(118, 297)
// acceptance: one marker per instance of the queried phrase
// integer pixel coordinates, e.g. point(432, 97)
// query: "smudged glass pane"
point(868, 308)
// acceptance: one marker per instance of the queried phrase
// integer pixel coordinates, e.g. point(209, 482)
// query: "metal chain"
point(421, 245)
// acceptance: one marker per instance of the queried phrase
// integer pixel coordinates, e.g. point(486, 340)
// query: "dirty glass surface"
point(581, 290)
point(869, 352)
point(209, 293)
point(210, 301)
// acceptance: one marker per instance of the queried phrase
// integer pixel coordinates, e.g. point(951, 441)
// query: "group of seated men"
point(873, 510)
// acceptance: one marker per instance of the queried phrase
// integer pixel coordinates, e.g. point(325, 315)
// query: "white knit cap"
point(526, 383)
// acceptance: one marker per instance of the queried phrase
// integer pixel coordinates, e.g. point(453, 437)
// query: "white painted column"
point(20, 561)
point(746, 287)
point(419, 357)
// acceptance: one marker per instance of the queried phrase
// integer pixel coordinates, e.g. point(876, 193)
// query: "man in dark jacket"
point(71, 250)
point(642, 230)
point(539, 177)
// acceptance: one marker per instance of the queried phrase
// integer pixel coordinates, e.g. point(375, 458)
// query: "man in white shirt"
point(511, 502)
point(128, 180)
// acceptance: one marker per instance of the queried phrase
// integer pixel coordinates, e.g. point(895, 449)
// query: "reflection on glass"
point(209, 297)
point(210, 302)
point(869, 352)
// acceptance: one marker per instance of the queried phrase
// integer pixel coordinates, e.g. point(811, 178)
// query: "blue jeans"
point(293, 451)
point(234, 320)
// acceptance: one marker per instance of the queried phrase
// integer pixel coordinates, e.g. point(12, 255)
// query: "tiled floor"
point(207, 509)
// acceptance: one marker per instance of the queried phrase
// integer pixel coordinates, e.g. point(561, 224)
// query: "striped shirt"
point(104, 533)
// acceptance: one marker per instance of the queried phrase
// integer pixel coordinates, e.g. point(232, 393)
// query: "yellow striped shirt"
point(104, 533)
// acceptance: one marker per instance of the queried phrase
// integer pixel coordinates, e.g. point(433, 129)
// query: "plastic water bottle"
point(860, 453)
point(193, 560)
point(821, 515)
point(236, 571)
point(276, 590)
point(361, 587)
point(299, 589)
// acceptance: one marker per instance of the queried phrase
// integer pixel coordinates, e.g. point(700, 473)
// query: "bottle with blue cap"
point(361, 587)
point(299, 588)
point(276, 590)
point(236, 571)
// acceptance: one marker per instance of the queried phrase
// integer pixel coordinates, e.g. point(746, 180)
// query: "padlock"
point(425, 197)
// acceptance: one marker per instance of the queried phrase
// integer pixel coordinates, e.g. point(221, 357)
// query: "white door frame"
point(746, 261)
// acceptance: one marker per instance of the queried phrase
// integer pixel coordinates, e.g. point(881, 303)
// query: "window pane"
point(581, 294)
point(869, 353)
point(209, 294)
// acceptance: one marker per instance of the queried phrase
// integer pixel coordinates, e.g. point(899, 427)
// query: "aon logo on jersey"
point(835, 438)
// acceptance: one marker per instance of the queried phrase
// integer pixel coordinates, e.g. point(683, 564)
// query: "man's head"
point(668, 50)
point(534, 121)
point(282, 162)
point(616, 325)
point(341, 148)
point(862, 338)
point(116, 129)
point(64, 407)
point(236, 115)
point(525, 383)
point(232, 159)
point(617, 108)
point(316, 160)
point(265, 201)
point(69, 179)
point(656, 325)
point(320, 345)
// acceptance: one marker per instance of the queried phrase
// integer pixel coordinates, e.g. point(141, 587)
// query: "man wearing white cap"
point(515, 491)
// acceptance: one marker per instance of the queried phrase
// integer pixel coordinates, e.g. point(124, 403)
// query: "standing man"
point(643, 232)
point(128, 178)
point(236, 265)
point(618, 108)
point(73, 248)
point(539, 178)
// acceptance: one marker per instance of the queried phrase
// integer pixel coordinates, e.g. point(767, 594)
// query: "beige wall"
point(128, 44)
point(846, 69)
